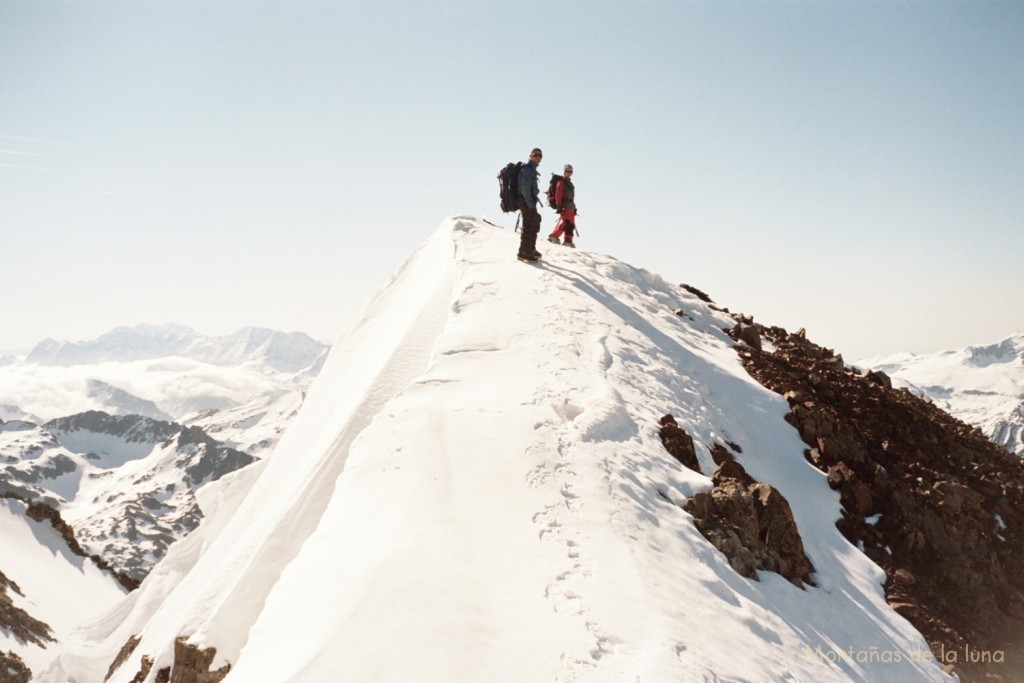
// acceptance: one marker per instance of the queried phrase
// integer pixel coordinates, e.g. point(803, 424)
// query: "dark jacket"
point(565, 195)
point(529, 191)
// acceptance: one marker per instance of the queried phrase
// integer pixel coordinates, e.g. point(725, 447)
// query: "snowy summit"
point(475, 489)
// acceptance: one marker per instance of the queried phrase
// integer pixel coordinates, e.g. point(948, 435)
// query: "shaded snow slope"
point(475, 489)
point(981, 385)
point(56, 586)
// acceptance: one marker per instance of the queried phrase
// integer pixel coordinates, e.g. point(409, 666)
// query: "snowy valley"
point(483, 483)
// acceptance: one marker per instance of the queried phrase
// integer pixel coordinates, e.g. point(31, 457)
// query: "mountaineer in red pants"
point(564, 202)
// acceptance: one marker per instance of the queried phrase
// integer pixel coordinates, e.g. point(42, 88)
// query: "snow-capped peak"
point(982, 385)
point(284, 352)
point(1008, 351)
point(475, 489)
point(121, 343)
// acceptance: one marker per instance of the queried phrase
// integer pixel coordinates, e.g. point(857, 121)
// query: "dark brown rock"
point(122, 656)
point(697, 293)
point(192, 664)
point(906, 609)
point(678, 443)
point(780, 536)
point(751, 336)
point(145, 666)
point(878, 377)
point(720, 454)
point(855, 495)
point(904, 577)
point(17, 621)
point(936, 484)
point(751, 524)
point(13, 669)
point(730, 469)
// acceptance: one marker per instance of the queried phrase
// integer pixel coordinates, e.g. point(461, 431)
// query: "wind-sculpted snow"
point(475, 489)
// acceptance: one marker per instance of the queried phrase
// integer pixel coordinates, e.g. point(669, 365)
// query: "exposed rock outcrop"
point(678, 443)
point(145, 666)
point(18, 622)
point(13, 669)
point(931, 500)
point(126, 651)
point(752, 524)
point(191, 664)
point(697, 293)
point(750, 335)
point(41, 512)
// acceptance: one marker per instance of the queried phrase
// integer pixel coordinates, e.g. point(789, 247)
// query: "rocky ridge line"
point(927, 497)
point(41, 512)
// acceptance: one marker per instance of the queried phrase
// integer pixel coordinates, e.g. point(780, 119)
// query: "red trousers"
point(567, 224)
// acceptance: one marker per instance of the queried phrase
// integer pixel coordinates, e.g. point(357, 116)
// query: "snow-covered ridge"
point(476, 477)
point(982, 385)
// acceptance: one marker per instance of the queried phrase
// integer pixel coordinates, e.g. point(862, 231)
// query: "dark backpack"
point(508, 185)
point(553, 192)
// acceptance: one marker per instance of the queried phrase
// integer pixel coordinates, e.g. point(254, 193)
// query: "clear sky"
point(855, 168)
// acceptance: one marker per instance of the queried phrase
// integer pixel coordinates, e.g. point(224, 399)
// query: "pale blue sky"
point(854, 168)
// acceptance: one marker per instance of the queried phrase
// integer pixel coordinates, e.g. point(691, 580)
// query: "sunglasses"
point(536, 156)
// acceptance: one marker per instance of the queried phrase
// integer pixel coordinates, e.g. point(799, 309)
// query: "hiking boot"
point(528, 257)
point(569, 244)
point(552, 239)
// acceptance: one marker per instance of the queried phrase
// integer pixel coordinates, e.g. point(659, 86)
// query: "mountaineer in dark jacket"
point(565, 204)
point(529, 197)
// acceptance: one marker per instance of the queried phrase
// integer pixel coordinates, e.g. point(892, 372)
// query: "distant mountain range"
point(982, 385)
point(117, 433)
point(111, 440)
point(284, 352)
point(237, 387)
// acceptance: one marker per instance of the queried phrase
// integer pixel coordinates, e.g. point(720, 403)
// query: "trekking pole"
point(518, 216)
